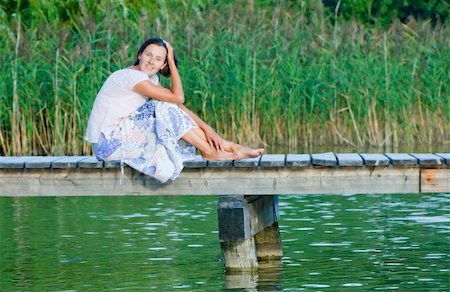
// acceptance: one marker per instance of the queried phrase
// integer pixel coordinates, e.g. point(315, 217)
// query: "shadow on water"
point(266, 278)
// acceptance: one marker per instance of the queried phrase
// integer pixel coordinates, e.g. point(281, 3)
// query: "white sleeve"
point(133, 77)
point(154, 79)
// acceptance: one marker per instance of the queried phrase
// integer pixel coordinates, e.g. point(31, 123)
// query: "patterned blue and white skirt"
point(149, 140)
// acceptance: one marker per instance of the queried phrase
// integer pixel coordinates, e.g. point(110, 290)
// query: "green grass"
point(277, 76)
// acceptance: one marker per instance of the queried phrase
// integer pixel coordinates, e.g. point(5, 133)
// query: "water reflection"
point(335, 243)
point(266, 278)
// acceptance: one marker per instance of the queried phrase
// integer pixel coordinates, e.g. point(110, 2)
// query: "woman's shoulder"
point(128, 72)
point(154, 79)
point(128, 75)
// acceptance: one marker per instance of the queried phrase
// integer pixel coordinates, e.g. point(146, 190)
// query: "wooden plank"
point(3, 160)
point(41, 161)
point(273, 160)
point(349, 159)
point(401, 159)
point(220, 163)
point(111, 164)
point(90, 162)
point(324, 159)
point(375, 159)
point(298, 160)
point(248, 162)
point(446, 157)
point(14, 161)
point(67, 162)
point(198, 162)
point(209, 181)
point(428, 159)
point(435, 180)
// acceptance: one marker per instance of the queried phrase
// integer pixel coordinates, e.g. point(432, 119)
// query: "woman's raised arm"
point(146, 88)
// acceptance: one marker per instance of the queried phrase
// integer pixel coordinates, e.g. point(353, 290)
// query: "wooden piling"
point(248, 231)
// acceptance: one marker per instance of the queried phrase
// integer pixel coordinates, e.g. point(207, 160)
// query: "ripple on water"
point(401, 239)
point(352, 285)
point(421, 219)
point(160, 259)
point(157, 248)
point(374, 231)
point(182, 214)
point(327, 217)
point(182, 286)
point(298, 219)
point(367, 250)
point(330, 244)
point(134, 215)
point(429, 219)
point(434, 256)
point(316, 285)
point(195, 245)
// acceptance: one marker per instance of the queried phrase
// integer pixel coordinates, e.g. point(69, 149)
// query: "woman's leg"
point(240, 151)
point(196, 137)
point(243, 151)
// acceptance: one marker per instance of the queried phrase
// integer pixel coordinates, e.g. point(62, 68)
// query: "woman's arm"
point(176, 85)
point(146, 88)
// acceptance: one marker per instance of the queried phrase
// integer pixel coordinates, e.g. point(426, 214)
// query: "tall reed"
point(276, 76)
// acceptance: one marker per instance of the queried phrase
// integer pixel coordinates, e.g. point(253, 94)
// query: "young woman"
point(139, 122)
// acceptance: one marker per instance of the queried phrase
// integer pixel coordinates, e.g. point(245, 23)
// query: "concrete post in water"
point(248, 231)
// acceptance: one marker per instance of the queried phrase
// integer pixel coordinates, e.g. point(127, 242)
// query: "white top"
point(115, 101)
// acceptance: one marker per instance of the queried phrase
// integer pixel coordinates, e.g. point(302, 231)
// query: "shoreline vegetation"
point(260, 75)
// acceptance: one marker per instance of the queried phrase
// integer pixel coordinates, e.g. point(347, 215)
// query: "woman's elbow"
point(180, 99)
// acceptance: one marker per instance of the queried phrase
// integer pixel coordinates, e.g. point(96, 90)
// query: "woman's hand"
point(169, 51)
point(214, 140)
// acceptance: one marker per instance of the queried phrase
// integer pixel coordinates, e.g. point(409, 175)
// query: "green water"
point(330, 243)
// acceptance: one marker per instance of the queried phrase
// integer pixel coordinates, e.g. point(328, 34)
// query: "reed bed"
point(266, 75)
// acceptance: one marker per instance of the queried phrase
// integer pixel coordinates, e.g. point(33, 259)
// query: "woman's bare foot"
point(219, 155)
point(247, 152)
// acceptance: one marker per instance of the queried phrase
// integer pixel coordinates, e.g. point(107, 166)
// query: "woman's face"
point(152, 59)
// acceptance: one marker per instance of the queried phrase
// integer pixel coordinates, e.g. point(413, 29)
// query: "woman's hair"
point(159, 42)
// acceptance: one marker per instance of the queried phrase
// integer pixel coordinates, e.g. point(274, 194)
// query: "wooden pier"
point(248, 206)
point(272, 174)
